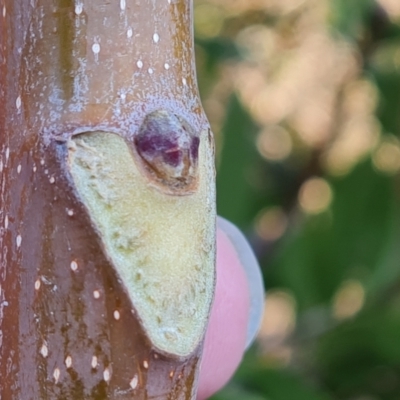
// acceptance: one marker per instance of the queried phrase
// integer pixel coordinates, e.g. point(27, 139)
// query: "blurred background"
point(304, 99)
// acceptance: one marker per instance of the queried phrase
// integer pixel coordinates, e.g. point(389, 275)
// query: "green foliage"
point(385, 70)
point(237, 197)
point(345, 243)
point(362, 356)
point(353, 356)
point(349, 17)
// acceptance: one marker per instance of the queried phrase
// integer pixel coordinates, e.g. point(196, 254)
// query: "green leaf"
point(217, 50)
point(363, 355)
point(385, 71)
point(347, 243)
point(349, 16)
point(237, 196)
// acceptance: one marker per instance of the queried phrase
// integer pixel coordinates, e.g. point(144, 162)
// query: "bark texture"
point(68, 326)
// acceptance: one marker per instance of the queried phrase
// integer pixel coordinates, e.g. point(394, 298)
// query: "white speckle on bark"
point(150, 71)
point(4, 11)
point(52, 180)
point(156, 38)
point(37, 284)
point(70, 212)
point(6, 222)
point(145, 364)
point(18, 240)
point(74, 265)
point(44, 351)
point(139, 64)
point(166, 66)
point(122, 4)
point(56, 374)
point(184, 81)
point(106, 375)
point(96, 48)
point(7, 153)
point(68, 362)
point(94, 362)
point(42, 162)
point(19, 168)
point(34, 168)
point(96, 294)
point(117, 315)
point(79, 9)
point(129, 33)
point(18, 102)
point(134, 382)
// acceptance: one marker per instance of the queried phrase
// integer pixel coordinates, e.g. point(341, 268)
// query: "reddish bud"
point(169, 146)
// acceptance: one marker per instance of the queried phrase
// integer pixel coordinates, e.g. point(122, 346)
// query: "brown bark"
point(69, 328)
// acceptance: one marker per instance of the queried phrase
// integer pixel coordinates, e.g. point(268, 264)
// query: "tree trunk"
point(107, 216)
